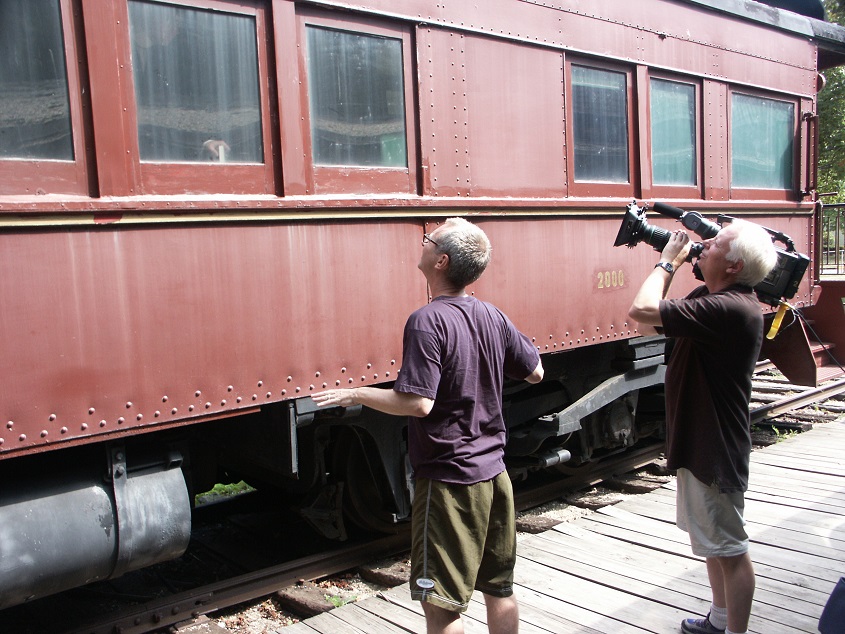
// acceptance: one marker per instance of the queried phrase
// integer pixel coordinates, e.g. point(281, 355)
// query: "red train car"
point(210, 209)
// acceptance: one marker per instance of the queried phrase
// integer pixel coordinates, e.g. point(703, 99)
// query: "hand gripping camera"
point(780, 284)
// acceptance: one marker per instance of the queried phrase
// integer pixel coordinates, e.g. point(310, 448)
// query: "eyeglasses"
point(427, 238)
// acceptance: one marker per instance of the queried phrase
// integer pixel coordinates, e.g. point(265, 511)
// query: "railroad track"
point(193, 603)
point(791, 402)
point(175, 606)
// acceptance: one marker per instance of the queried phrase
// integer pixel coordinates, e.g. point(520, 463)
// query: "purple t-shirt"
point(457, 351)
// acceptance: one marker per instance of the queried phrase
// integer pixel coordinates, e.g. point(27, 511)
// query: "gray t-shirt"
point(457, 351)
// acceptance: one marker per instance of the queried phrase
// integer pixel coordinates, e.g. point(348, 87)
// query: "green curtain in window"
point(673, 149)
point(761, 142)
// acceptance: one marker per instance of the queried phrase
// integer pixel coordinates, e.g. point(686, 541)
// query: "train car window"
point(762, 142)
point(356, 98)
point(35, 120)
point(351, 129)
point(42, 132)
point(673, 133)
point(600, 125)
point(196, 84)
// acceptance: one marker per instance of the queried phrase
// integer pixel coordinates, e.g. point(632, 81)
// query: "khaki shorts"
point(713, 519)
point(463, 539)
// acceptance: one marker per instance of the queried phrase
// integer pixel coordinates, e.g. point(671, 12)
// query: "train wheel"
point(364, 503)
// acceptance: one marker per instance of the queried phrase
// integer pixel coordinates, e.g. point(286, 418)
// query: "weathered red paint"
point(112, 329)
point(154, 312)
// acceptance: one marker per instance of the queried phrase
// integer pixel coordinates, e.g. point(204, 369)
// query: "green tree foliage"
point(831, 110)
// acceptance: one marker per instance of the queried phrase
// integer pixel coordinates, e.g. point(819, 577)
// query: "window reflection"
point(761, 142)
point(673, 133)
point(600, 125)
point(357, 100)
point(196, 84)
point(34, 107)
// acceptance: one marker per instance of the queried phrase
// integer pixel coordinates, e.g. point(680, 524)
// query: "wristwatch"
point(666, 266)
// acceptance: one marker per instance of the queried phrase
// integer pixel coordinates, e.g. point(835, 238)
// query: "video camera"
point(780, 284)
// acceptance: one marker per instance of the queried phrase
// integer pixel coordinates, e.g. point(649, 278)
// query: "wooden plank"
point(826, 433)
point(535, 607)
point(770, 524)
point(796, 568)
point(539, 608)
point(400, 615)
point(799, 464)
point(366, 621)
point(807, 505)
point(758, 533)
point(817, 555)
point(584, 545)
point(401, 595)
point(648, 583)
point(826, 439)
point(828, 453)
point(816, 528)
point(667, 493)
point(609, 603)
point(629, 530)
point(790, 487)
point(807, 445)
point(796, 488)
point(654, 579)
point(328, 623)
point(761, 470)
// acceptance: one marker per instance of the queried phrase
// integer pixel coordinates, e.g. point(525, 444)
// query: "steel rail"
point(631, 460)
point(170, 610)
point(796, 401)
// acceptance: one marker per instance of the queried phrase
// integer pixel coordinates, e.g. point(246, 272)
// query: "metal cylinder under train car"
point(171, 298)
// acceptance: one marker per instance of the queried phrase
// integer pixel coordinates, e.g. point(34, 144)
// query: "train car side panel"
point(113, 329)
point(586, 301)
point(653, 33)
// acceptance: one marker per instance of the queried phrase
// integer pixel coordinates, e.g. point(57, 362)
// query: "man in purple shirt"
point(457, 350)
point(717, 331)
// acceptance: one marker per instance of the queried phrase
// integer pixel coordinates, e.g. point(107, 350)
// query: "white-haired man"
point(717, 331)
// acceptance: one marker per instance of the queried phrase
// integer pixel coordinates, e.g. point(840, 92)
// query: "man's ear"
point(734, 268)
point(442, 261)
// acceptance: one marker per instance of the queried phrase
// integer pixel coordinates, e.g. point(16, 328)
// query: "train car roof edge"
point(829, 36)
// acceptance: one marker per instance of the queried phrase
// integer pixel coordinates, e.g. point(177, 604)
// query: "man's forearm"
point(646, 306)
point(384, 400)
point(392, 402)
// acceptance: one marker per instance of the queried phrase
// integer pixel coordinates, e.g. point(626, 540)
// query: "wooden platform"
point(628, 569)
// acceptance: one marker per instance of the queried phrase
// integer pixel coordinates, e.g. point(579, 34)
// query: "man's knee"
point(502, 614)
point(438, 616)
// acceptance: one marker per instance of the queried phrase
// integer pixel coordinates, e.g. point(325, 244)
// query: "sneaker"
point(699, 626)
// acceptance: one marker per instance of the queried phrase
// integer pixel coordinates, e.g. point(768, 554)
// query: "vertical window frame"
point(25, 176)
point(676, 190)
point(791, 194)
point(331, 179)
point(602, 188)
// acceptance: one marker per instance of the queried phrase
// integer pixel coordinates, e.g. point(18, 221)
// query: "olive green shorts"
point(463, 539)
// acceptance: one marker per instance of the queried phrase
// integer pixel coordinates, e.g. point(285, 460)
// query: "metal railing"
point(832, 254)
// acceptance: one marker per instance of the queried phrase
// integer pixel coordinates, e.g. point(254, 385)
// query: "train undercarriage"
point(345, 470)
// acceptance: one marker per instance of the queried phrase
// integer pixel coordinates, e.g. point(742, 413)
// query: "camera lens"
point(655, 236)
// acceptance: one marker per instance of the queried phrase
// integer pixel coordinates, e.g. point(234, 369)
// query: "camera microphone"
point(668, 210)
